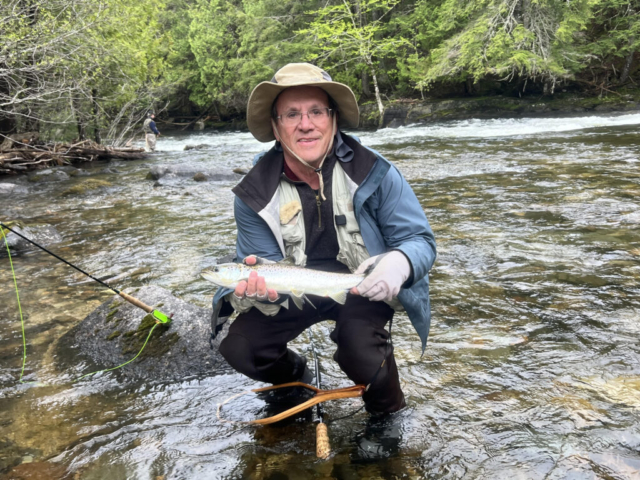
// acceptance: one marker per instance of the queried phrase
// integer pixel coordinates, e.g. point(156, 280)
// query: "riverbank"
point(407, 112)
point(404, 112)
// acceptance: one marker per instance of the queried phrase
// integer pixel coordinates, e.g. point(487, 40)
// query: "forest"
point(94, 68)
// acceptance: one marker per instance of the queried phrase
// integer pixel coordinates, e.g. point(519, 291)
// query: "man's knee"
point(237, 351)
point(359, 346)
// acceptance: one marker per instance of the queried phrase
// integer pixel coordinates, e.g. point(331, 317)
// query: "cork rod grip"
point(136, 302)
point(323, 449)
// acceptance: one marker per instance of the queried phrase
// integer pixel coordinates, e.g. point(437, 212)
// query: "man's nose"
point(305, 122)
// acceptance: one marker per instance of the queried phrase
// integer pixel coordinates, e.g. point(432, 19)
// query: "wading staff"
point(158, 315)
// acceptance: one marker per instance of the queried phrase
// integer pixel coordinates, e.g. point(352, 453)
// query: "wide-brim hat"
point(297, 75)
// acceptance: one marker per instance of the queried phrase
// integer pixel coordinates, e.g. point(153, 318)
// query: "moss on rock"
point(159, 343)
point(86, 186)
point(115, 334)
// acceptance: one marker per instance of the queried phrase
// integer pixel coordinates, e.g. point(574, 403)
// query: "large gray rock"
point(180, 171)
point(116, 330)
point(48, 175)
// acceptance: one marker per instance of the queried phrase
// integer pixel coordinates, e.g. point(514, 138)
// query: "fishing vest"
point(352, 250)
point(146, 125)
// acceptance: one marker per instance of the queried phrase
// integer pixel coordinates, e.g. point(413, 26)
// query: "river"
point(532, 369)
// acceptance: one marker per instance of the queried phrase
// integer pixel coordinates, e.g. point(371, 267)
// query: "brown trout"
point(286, 278)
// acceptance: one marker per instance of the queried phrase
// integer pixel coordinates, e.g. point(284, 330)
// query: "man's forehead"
point(302, 95)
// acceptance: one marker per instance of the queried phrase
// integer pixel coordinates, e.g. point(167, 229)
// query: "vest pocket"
point(352, 249)
point(293, 237)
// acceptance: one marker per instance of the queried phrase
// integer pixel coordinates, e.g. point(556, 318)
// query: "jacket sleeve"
point(404, 225)
point(153, 127)
point(254, 235)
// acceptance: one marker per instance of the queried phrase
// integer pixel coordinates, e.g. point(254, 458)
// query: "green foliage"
point(238, 44)
point(79, 64)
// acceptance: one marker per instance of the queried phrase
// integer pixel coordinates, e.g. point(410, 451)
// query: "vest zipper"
point(319, 203)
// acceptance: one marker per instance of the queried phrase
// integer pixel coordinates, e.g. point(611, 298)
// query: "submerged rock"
point(12, 189)
point(114, 333)
point(174, 171)
point(48, 175)
point(86, 186)
point(43, 235)
point(202, 146)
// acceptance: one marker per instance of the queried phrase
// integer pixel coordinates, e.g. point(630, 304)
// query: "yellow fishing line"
point(24, 337)
point(15, 283)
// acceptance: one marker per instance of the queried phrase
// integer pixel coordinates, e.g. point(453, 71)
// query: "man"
point(150, 132)
point(331, 204)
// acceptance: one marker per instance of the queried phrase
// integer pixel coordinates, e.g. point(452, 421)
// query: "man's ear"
point(275, 130)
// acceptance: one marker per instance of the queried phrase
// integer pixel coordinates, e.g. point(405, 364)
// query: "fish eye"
point(216, 269)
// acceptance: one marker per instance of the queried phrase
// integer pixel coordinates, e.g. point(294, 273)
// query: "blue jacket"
point(386, 208)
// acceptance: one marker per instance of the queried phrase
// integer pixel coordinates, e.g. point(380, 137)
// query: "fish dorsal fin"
point(288, 261)
point(340, 297)
point(262, 261)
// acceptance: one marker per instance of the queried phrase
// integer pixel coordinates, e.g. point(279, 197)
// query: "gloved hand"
point(387, 277)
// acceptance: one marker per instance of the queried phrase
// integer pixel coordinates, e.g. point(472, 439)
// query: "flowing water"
point(532, 369)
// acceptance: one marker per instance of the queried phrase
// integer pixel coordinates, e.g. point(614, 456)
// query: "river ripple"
point(532, 368)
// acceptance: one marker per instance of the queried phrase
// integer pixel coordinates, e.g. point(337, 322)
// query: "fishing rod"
point(323, 447)
point(157, 314)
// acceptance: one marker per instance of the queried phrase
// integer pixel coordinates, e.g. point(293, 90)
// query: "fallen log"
point(107, 153)
point(22, 157)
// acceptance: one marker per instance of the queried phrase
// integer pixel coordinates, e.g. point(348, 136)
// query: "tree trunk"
point(79, 120)
point(96, 117)
point(468, 86)
point(32, 124)
point(627, 67)
point(7, 121)
point(378, 98)
point(366, 88)
point(522, 12)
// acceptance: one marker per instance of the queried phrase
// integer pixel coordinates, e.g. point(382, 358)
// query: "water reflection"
point(532, 368)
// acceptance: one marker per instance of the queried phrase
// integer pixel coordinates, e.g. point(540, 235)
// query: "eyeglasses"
point(315, 115)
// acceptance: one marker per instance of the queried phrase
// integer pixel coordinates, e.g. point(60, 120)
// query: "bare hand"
point(256, 286)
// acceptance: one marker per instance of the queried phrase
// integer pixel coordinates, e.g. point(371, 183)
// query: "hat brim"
point(265, 93)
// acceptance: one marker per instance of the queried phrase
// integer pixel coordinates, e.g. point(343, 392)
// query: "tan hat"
point(297, 75)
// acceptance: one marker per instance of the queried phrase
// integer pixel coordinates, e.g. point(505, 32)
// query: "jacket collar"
point(258, 187)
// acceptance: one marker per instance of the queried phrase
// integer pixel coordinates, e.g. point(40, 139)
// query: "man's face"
point(308, 139)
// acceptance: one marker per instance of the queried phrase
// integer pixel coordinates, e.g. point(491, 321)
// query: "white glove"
point(390, 272)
